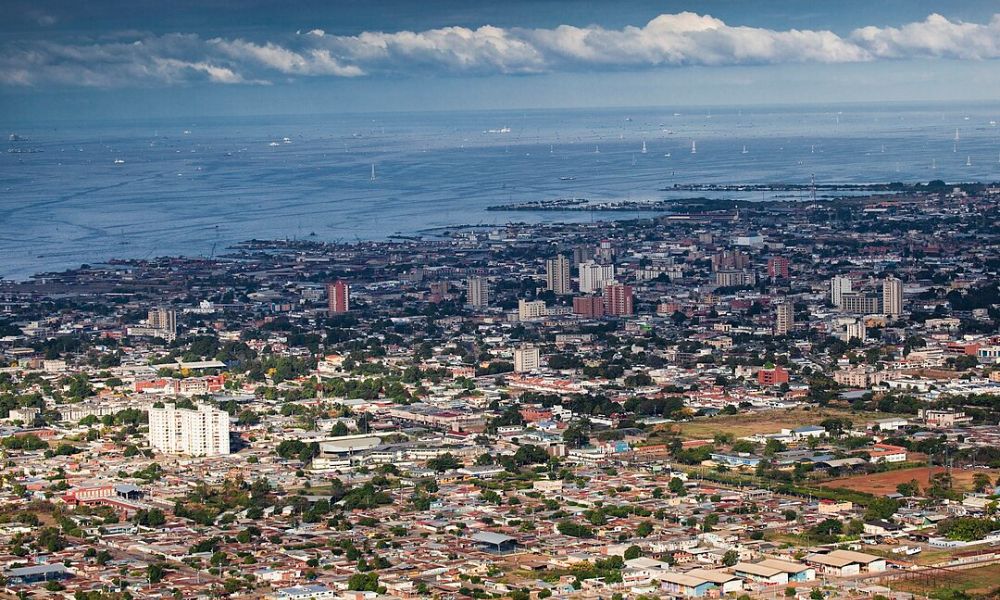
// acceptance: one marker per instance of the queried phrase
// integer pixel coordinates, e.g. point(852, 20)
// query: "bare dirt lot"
point(885, 483)
point(769, 421)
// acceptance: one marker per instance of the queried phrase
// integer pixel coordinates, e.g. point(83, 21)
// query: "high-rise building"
point(730, 278)
point(557, 275)
point(588, 306)
point(618, 299)
point(439, 291)
point(730, 260)
point(784, 318)
point(605, 252)
point(526, 358)
point(839, 286)
point(582, 254)
point(477, 292)
point(164, 321)
point(593, 276)
point(338, 296)
point(777, 266)
point(855, 329)
point(892, 296)
point(530, 309)
point(858, 303)
point(202, 431)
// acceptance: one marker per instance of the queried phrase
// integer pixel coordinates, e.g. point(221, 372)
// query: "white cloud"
point(669, 40)
point(935, 37)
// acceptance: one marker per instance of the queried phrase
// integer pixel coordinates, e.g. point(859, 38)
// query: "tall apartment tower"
point(582, 254)
point(730, 260)
point(557, 275)
point(839, 286)
point(477, 292)
point(892, 296)
point(618, 300)
point(164, 320)
point(605, 252)
point(338, 297)
point(526, 358)
point(784, 318)
point(594, 276)
point(203, 431)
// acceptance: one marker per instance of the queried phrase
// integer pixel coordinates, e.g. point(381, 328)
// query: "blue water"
point(188, 186)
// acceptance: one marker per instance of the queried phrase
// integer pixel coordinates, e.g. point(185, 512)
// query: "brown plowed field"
point(885, 483)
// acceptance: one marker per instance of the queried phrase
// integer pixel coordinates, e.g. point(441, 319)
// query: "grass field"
point(885, 483)
point(981, 582)
point(770, 421)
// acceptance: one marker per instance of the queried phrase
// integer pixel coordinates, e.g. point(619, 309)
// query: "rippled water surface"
point(191, 186)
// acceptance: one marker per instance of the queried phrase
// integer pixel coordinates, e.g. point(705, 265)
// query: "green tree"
point(444, 462)
point(363, 582)
point(730, 558)
point(154, 573)
point(881, 508)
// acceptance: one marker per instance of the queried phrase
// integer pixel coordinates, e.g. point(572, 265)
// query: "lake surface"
point(191, 187)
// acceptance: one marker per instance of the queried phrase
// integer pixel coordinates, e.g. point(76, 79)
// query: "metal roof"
point(488, 537)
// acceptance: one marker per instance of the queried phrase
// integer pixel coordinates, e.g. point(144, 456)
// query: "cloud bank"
point(669, 40)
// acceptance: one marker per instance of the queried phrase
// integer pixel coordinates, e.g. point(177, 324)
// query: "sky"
point(65, 60)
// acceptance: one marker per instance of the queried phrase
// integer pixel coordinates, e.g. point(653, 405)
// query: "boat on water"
point(119, 161)
point(694, 147)
point(643, 151)
point(568, 178)
point(745, 151)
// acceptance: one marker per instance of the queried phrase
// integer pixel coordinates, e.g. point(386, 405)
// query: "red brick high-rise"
point(588, 306)
point(777, 266)
point(338, 297)
point(618, 299)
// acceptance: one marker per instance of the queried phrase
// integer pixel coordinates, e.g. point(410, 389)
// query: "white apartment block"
point(203, 431)
point(593, 277)
point(892, 296)
point(839, 286)
point(530, 309)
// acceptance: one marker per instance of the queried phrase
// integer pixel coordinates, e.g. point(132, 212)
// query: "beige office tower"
point(526, 359)
point(165, 321)
point(530, 309)
point(477, 292)
point(784, 318)
point(892, 296)
point(557, 275)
